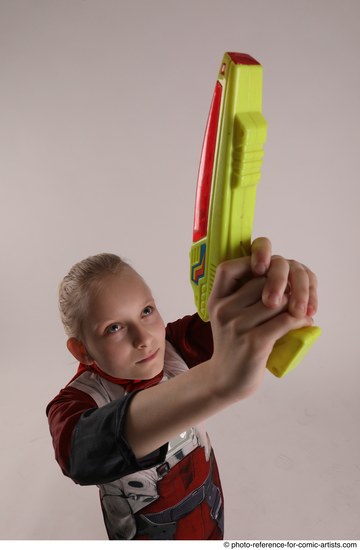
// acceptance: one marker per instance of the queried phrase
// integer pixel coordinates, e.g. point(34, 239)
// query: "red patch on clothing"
point(180, 482)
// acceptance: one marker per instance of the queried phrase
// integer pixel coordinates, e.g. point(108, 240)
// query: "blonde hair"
point(75, 286)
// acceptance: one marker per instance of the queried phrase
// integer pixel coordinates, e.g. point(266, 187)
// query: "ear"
point(78, 350)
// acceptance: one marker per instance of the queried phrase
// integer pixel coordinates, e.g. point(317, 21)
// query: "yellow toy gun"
point(229, 172)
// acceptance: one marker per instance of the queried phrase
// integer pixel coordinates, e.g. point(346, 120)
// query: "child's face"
point(123, 331)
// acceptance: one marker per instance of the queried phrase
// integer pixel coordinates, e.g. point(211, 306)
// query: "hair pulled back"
point(75, 286)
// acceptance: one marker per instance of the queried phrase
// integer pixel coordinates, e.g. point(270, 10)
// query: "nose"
point(141, 337)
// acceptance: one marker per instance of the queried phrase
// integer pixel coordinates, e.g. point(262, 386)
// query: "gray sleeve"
point(100, 453)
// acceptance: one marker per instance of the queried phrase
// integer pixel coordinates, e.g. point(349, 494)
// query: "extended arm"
point(244, 332)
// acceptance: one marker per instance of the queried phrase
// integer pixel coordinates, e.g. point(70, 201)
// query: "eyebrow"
point(107, 322)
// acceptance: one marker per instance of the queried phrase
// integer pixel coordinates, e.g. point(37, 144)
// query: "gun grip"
point(290, 350)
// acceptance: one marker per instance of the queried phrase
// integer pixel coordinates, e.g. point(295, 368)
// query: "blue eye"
point(113, 328)
point(148, 311)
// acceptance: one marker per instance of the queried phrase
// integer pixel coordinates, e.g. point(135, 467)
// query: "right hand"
point(244, 328)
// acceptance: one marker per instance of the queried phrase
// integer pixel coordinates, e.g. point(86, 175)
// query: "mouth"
point(148, 358)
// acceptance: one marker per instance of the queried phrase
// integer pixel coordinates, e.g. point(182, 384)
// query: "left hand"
point(284, 277)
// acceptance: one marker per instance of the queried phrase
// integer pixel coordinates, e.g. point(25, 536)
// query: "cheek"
point(160, 329)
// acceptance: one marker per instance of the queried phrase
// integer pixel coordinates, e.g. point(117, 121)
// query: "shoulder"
point(87, 390)
point(191, 338)
point(101, 390)
point(71, 397)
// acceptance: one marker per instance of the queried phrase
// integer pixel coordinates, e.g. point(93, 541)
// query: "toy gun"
point(229, 172)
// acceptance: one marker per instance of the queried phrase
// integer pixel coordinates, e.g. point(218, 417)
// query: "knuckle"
point(277, 257)
point(220, 270)
point(223, 269)
point(273, 283)
point(219, 313)
point(237, 326)
point(297, 267)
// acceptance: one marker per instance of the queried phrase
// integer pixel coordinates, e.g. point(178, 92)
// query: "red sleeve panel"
point(63, 412)
point(88, 441)
point(192, 339)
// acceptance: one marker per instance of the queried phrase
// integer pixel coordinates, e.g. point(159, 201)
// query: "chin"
point(153, 372)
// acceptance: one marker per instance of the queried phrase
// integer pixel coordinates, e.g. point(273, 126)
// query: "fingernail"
point(301, 307)
point(260, 269)
point(273, 299)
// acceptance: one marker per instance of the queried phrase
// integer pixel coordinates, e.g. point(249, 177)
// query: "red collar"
point(128, 385)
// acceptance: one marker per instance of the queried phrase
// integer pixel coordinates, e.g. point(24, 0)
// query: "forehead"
point(116, 292)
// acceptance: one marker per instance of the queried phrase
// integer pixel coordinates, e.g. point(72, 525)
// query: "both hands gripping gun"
point(226, 192)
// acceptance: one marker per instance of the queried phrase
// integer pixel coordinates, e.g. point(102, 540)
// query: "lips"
point(148, 358)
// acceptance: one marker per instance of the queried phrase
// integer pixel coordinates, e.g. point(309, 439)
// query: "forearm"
point(158, 414)
point(244, 332)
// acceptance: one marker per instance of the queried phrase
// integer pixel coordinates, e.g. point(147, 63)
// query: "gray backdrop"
point(103, 106)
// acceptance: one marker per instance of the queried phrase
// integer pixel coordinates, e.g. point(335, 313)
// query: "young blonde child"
point(130, 420)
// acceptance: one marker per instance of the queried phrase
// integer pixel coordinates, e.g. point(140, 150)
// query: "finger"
point(277, 282)
point(250, 293)
point(229, 277)
point(299, 283)
point(260, 255)
point(313, 296)
point(239, 304)
point(278, 326)
point(257, 314)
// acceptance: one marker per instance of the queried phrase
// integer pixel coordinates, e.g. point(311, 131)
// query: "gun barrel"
point(229, 173)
